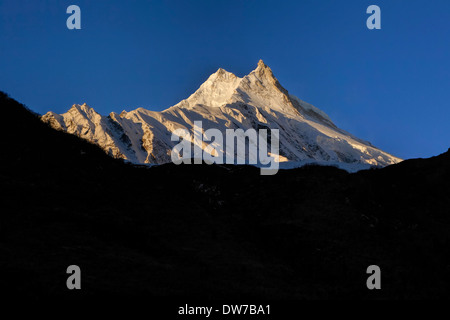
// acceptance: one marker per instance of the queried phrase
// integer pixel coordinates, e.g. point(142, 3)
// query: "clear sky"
point(388, 86)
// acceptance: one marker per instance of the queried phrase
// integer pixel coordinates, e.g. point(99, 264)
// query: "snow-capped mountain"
point(223, 101)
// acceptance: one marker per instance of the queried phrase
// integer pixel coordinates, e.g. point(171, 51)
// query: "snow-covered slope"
point(224, 101)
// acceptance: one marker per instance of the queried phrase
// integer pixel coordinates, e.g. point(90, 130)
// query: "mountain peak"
point(263, 68)
point(221, 71)
point(263, 71)
point(264, 75)
point(214, 92)
point(83, 111)
point(261, 64)
point(83, 107)
point(223, 75)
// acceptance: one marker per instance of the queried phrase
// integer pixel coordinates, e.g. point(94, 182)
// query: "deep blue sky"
point(389, 86)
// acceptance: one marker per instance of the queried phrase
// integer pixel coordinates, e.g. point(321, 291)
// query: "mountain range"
point(224, 101)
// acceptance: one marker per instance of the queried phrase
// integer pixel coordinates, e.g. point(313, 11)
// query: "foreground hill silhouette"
point(213, 231)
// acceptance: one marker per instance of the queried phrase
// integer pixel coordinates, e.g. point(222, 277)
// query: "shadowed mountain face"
point(213, 231)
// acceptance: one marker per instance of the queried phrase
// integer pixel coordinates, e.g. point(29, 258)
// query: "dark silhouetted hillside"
point(213, 231)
